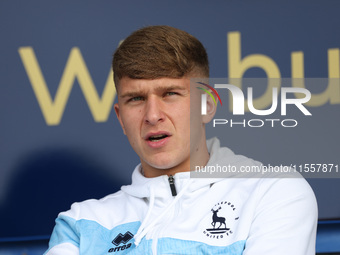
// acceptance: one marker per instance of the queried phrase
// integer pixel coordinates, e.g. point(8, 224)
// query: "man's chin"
point(162, 164)
point(165, 162)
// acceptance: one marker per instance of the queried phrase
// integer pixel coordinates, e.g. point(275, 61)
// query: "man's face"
point(155, 116)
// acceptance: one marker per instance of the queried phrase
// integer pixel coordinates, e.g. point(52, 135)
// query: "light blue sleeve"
point(65, 231)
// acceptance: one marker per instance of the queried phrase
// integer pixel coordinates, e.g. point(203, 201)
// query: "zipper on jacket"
point(172, 186)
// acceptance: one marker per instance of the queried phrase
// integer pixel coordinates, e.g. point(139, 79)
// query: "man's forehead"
point(161, 84)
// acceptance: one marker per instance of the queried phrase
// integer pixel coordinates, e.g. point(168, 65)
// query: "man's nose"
point(154, 112)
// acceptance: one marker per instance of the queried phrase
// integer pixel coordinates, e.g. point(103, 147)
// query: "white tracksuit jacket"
point(258, 216)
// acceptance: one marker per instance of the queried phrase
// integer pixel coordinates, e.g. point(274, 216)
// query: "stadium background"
point(60, 141)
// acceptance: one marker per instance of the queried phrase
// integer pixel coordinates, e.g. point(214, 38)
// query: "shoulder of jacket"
point(86, 209)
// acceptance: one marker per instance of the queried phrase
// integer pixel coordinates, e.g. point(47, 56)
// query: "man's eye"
point(133, 99)
point(171, 93)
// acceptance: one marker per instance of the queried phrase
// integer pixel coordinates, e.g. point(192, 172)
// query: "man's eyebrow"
point(167, 88)
point(133, 94)
point(157, 89)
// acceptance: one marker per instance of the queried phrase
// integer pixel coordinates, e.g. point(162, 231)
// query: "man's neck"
point(200, 159)
point(151, 172)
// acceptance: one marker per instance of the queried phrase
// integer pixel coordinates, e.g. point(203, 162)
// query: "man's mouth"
point(156, 138)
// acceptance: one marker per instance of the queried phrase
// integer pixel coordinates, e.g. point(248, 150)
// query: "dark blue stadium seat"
point(328, 237)
point(35, 245)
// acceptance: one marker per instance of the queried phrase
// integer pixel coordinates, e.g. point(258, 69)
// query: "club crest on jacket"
point(223, 215)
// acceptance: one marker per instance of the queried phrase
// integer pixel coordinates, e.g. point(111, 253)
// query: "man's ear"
point(211, 110)
point(119, 117)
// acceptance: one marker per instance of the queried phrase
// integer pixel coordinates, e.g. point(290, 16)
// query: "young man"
point(164, 211)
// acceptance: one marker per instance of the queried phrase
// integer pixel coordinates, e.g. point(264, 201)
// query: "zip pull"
point(172, 186)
